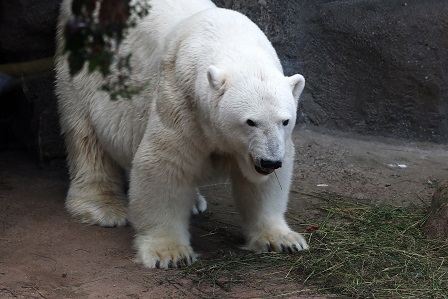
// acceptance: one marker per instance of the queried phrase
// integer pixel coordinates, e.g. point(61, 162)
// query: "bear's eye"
point(286, 122)
point(251, 123)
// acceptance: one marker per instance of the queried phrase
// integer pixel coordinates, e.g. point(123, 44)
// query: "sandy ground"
point(45, 254)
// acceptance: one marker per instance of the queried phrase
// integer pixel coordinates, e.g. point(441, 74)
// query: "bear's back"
point(166, 14)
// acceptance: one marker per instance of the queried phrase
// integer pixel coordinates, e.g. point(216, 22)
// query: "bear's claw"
point(170, 264)
point(290, 249)
point(277, 241)
point(163, 254)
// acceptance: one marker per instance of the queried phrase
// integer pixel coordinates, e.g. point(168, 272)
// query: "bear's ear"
point(216, 77)
point(297, 83)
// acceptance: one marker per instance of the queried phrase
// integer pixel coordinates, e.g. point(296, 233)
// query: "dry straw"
point(359, 251)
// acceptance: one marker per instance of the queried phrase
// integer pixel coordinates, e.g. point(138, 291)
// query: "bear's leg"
point(262, 207)
point(162, 193)
point(96, 192)
point(200, 204)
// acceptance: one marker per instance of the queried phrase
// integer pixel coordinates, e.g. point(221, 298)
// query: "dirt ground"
point(45, 254)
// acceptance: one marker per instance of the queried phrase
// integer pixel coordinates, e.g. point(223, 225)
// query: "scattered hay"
point(380, 253)
point(437, 224)
point(359, 251)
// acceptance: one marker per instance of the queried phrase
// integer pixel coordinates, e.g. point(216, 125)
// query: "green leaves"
point(75, 62)
point(95, 39)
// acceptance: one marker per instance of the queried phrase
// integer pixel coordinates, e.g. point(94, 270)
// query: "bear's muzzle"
point(267, 166)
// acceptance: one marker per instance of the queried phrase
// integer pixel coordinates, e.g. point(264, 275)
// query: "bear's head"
point(253, 116)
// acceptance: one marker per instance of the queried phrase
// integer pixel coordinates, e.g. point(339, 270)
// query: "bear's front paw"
point(277, 240)
point(159, 253)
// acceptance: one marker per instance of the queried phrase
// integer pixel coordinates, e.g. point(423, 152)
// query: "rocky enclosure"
point(373, 67)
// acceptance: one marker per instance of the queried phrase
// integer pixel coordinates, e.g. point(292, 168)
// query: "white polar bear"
point(216, 104)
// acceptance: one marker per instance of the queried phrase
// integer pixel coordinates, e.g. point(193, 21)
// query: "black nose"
point(270, 164)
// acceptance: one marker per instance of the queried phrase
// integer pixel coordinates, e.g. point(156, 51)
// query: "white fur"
point(206, 71)
point(200, 204)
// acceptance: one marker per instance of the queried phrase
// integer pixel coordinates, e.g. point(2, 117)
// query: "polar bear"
point(215, 105)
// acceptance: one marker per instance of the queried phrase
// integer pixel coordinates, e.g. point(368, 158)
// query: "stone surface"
point(48, 140)
point(27, 29)
point(29, 117)
point(379, 67)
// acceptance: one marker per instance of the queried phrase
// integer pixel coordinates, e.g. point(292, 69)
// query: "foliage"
point(93, 36)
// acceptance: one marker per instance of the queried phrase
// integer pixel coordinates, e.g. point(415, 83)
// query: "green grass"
point(359, 251)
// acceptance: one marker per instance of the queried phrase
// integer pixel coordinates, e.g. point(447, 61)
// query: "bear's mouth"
point(260, 169)
point(264, 171)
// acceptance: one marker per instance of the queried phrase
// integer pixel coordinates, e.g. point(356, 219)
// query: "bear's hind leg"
point(200, 204)
point(96, 192)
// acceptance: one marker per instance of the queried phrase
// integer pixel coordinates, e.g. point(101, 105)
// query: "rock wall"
point(27, 102)
point(372, 66)
point(382, 68)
